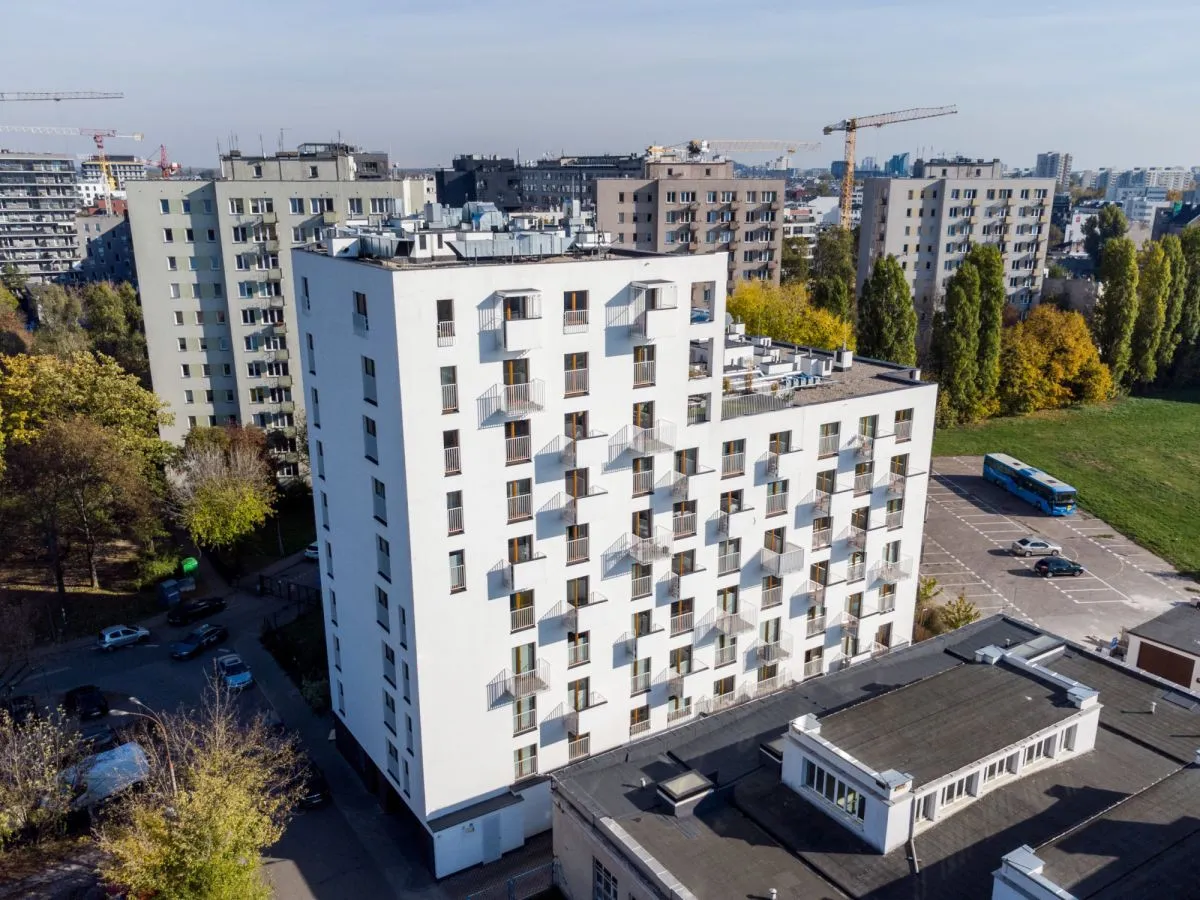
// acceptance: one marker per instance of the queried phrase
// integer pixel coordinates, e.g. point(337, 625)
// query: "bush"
point(153, 567)
point(316, 694)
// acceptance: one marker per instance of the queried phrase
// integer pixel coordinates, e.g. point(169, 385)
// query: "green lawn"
point(1135, 463)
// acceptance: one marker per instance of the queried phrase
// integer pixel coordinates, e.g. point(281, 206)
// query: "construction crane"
point(851, 126)
point(60, 95)
point(697, 148)
point(96, 134)
point(165, 166)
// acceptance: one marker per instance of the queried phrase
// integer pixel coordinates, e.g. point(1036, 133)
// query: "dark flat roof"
point(467, 813)
point(1178, 627)
point(941, 724)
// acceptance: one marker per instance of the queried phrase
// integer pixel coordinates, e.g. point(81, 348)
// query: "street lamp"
point(153, 717)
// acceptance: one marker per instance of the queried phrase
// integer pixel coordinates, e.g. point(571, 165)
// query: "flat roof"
point(941, 724)
point(1178, 627)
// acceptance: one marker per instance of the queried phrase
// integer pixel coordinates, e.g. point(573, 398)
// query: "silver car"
point(1034, 546)
point(119, 635)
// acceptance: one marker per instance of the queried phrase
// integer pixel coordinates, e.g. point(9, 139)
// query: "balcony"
point(643, 373)
point(856, 571)
point(639, 683)
point(520, 507)
point(892, 571)
point(573, 509)
point(768, 652)
point(655, 311)
point(522, 335)
point(863, 445)
point(678, 581)
point(445, 334)
point(330, 217)
point(816, 593)
point(575, 382)
point(453, 466)
point(518, 400)
point(657, 438)
point(735, 523)
point(822, 502)
point(896, 485)
point(525, 575)
point(579, 654)
point(814, 625)
point(270, 218)
point(646, 550)
point(571, 609)
point(733, 464)
point(784, 561)
point(903, 431)
point(458, 578)
point(728, 563)
point(772, 597)
point(813, 667)
point(587, 452)
point(682, 623)
point(525, 767)
point(526, 684)
point(524, 721)
point(862, 484)
point(643, 483)
point(577, 550)
point(639, 728)
point(857, 538)
point(822, 538)
point(449, 398)
point(575, 321)
point(579, 747)
point(849, 623)
point(517, 450)
point(894, 519)
point(522, 618)
point(722, 701)
point(777, 503)
point(683, 525)
point(679, 713)
point(765, 686)
point(454, 516)
point(724, 656)
point(361, 324)
point(731, 623)
point(641, 586)
point(828, 445)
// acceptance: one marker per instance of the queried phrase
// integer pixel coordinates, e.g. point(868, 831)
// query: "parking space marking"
point(991, 592)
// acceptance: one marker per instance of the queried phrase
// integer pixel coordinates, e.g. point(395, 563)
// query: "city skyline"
point(429, 83)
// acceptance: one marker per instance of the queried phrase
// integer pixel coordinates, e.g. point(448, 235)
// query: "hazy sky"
point(1106, 80)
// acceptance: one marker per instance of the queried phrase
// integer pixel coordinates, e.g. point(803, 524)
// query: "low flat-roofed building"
point(1169, 646)
point(948, 705)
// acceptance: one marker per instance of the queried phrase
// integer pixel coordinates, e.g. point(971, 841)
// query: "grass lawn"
point(1135, 463)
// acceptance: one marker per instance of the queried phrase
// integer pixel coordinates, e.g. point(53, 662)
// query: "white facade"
point(512, 632)
point(91, 192)
point(123, 170)
point(807, 220)
point(414, 191)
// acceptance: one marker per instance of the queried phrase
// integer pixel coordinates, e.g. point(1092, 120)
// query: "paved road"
point(970, 524)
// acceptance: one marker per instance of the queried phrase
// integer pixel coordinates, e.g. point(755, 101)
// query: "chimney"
point(843, 359)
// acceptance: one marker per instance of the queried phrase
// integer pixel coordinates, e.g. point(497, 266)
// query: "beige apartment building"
point(930, 221)
point(687, 206)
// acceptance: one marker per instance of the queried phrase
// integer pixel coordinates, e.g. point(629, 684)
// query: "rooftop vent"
point(989, 655)
point(684, 792)
point(843, 359)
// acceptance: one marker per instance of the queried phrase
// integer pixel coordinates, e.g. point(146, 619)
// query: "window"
point(190, 237)
point(164, 206)
point(1042, 749)
point(382, 613)
point(237, 206)
point(834, 791)
point(525, 761)
point(185, 371)
point(955, 791)
point(174, 290)
point(354, 206)
point(296, 206)
point(604, 883)
point(172, 264)
point(389, 664)
point(211, 236)
point(458, 571)
point(370, 439)
point(178, 317)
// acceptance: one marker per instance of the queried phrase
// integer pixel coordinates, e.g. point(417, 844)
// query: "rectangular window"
point(604, 883)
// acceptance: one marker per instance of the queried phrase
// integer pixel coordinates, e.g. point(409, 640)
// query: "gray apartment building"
point(105, 244)
point(549, 183)
point(38, 204)
point(214, 273)
point(697, 207)
point(930, 221)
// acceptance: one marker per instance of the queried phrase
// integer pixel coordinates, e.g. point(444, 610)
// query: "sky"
point(1103, 80)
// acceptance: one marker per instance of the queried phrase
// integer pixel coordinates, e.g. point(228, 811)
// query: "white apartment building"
point(929, 223)
point(563, 505)
point(807, 220)
point(215, 278)
point(123, 170)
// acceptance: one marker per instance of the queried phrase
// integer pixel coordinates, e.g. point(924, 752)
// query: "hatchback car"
point(312, 551)
point(86, 701)
point(1057, 565)
point(1034, 546)
point(193, 610)
point(234, 672)
point(201, 638)
point(115, 636)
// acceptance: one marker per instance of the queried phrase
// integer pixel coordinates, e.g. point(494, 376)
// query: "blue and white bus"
point(1032, 485)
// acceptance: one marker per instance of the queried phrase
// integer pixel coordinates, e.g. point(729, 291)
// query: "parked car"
point(1034, 546)
point(234, 672)
point(186, 613)
point(201, 638)
point(86, 701)
point(20, 707)
point(119, 635)
point(98, 737)
point(1057, 565)
point(312, 551)
point(314, 787)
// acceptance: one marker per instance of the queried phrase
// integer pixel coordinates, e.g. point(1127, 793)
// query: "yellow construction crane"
point(851, 126)
point(697, 148)
point(60, 95)
point(96, 134)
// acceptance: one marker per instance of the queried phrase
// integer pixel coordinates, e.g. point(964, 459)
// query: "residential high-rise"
point(215, 279)
point(561, 505)
point(106, 243)
point(1054, 165)
point(697, 207)
point(38, 205)
point(930, 221)
point(122, 168)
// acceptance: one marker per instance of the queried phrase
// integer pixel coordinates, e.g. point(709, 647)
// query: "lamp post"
point(153, 717)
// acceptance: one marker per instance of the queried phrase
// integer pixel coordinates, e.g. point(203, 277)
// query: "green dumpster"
point(188, 566)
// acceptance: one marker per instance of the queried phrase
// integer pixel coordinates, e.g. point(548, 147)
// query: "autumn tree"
point(959, 343)
point(793, 267)
point(887, 319)
point(785, 314)
point(113, 321)
point(223, 495)
point(958, 612)
point(1189, 319)
point(833, 272)
point(35, 799)
point(8, 300)
point(1108, 224)
point(1116, 309)
point(992, 298)
point(13, 279)
point(58, 313)
point(1153, 291)
point(1049, 361)
point(1173, 314)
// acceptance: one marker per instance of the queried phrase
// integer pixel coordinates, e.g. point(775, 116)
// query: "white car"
point(312, 551)
point(119, 635)
point(235, 673)
point(1034, 546)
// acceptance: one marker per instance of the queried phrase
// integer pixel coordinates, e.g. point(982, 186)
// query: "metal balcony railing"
point(773, 651)
point(682, 623)
point(677, 713)
point(790, 558)
point(520, 507)
point(657, 438)
point(722, 701)
point(822, 538)
point(848, 622)
point(576, 382)
point(517, 450)
point(639, 683)
point(573, 605)
point(362, 325)
point(730, 623)
point(857, 537)
point(904, 431)
point(856, 571)
point(579, 653)
point(454, 516)
point(647, 549)
point(525, 767)
point(575, 321)
point(676, 581)
point(524, 721)
point(642, 586)
point(813, 667)
point(777, 503)
point(828, 445)
point(864, 446)
point(725, 655)
point(729, 562)
point(821, 501)
point(445, 334)
point(683, 525)
point(816, 593)
point(526, 684)
point(734, 522)
point(772, 596)
point(639, 728)
point(643, 373)
point(733, 464)
point(891, 571)
point(521, 618)
point(643, 483)
point(458, 578)
point(579, 747)
point(896, 485)
point(776, 682)
point(679, 485)
point(814, 625)
point(887, 603)
point(449, 398)
point(522, 399)
point(894, 518)
point(577, 550)
point(862, 483)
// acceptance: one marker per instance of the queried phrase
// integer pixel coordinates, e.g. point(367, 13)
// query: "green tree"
point(1189, 319)
point(1098, 230)
point(8, 300)
point(1116, 310)
point(959, 343)
point(1058, 270)
point(1153, 288)
point(794, 264)
point(113, 321)
point(959, 612)
point(13, 279)
point(833, 272)
point(59, 329)
point(992, 298)
point(1171, 333)
point(1049, 361)
point(887, 319)
point(223, 496)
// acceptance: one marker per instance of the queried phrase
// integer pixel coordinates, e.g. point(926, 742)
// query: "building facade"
point(1054, 165)
point(697, 207)
point(122, 168)
point(807, 220)
point(553, 183)
point(930, 221)
point(38, 205)
point(215, 277)
point(480, 179)
point(632, 516)
point(106, 244)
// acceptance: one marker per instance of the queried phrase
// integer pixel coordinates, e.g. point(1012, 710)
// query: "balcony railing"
point(454, 516)
point(657, 438)
point(642, 586)
point(520, 507)
point(856, 571)
point(862, 483)
point(578, 654)
point(576, 382)
point(577, 550)
point(680, 712)
point(445, 334)
point(735, 522)
point(525, 574)
point(828, 445)
point(676, 583)
point(777, 503)
point(574, 605)
point(814, 625)
point(643, 373)
point(772, 596)
point(522, 768)
point(722, 701)
point(776, 682)
point(639, 683)
point(575, 321)
point(647, 549)
point(524, 721)
point(517, 450)
point(362, 325)
point(526, 684)
point(643, 483)
point(458, 578)
point(682, 623)
point(736, 622)
point(813, 667)
point(522, 618)
point(849, 623)
point(449, 398)
point(680, 484)
point(822, 538)
point(522, 399)
point(453, 466)
point(578, 748)
point(864, 446)
point(887, 603)
point(904, 431)
point(892, 571)
point(896, 485)
point(894, 518)
point(781, 562)
point(585, 450)
point(733, 464)
point(725, 655)
point(816, 593)
point(767, 652)
point(639, 728)
point(729, 562)
point(683, 525)
point(857, 537)
point(821, 501)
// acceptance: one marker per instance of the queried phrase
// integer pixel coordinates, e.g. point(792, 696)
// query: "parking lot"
point(970, 525)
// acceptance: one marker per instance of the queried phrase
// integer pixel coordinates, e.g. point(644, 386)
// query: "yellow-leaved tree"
point(786, 314)
point(1050, 361)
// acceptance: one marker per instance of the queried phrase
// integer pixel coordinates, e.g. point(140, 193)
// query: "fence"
point(526, 886)
point(300, 594)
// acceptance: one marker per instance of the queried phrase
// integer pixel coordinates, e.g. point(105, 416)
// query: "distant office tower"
point(1054, 165)
point(38, 205)
point(899, 166)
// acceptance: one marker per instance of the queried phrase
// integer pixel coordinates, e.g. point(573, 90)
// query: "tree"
point(927, 618)
point(1189, 320)
point(113, 321)
point(1056, 236)
point(34, 797)
point(1100, 229)
point(1116, 309)
point(14, 331)
point(784, 313)
point(1153, 288)
point(794, 265)
point(992, 299)
point(1049, 361)
point(219, 792)
point(887, 319)
point(58, 313)
point(833, 272)
point(959, 343)
point(8, 300)
point(1176, 297)
point(223, 495)
point(14, 280)
point(1058, 270)
point(959, 612)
